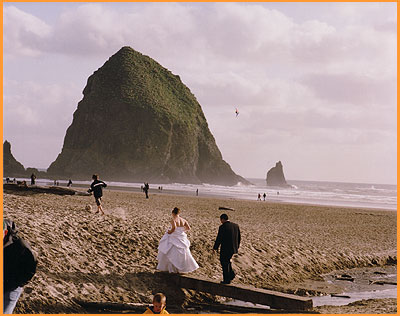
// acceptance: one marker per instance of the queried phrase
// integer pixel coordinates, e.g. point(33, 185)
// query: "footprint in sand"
point(118, 212)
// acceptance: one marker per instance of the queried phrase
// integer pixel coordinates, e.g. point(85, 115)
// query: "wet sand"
point(87, 257)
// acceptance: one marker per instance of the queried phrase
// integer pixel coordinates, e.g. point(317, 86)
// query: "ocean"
point(376, 196)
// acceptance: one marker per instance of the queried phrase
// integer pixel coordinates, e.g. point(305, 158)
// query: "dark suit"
point(229, 239)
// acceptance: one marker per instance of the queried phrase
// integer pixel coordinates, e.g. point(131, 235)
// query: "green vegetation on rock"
point(138, 122)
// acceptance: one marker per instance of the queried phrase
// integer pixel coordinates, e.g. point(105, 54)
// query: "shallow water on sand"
point(353, 297)
point(368, 283)
point(364, 286)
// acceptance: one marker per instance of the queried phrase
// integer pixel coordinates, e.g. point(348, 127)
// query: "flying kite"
point(237, 112)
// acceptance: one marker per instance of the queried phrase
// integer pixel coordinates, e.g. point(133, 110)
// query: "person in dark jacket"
point(19, 265)
point(33, 178)
point(146, 189)
point(97, 188)
point(229, 239)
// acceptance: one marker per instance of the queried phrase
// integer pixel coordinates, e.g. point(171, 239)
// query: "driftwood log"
point(226, 208)
point(382, 282)
point(13, 187)
point(344, 277)
point(340, 295)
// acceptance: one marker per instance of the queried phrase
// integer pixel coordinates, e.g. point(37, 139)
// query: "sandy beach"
point(88, 257)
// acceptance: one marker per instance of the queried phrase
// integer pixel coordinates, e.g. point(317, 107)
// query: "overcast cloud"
point(315, 83)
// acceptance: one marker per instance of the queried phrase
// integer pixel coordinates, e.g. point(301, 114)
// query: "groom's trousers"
point(227, 271)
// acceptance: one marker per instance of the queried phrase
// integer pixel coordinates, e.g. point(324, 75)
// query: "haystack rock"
point(138, 122)
point(11, 167)
point(275, 176)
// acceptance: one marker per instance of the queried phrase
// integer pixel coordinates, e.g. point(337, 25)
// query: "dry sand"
point(89, 257)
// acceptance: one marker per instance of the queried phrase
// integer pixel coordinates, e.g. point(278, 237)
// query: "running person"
point(97, 188)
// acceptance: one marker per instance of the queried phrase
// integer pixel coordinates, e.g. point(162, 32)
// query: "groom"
point(229, 239)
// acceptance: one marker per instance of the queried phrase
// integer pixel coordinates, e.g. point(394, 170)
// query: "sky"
point(314, 83)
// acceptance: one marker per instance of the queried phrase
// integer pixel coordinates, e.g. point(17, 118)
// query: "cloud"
point(38, 114)
point(39, 98)
point(231, 35)
point(90, 29)
point(24, 33)
point(371, 13)
point(362, 91)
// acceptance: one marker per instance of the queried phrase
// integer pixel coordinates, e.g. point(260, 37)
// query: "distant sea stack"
point(11, 167)
point(275, 176)
point(138, 122)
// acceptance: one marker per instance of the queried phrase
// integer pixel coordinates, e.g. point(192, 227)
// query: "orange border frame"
point(83, 1)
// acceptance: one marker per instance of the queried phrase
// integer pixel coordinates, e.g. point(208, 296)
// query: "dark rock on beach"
point(11, 167)
point(138, 122)
point(275, 176)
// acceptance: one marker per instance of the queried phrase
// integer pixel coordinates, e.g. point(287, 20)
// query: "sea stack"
point(138, 122)
point(11, 167)
point(275, 176)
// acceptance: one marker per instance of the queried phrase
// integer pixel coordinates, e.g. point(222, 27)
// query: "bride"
point(173, 251)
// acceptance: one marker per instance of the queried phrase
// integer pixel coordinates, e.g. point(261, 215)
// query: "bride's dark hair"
point(176, 211)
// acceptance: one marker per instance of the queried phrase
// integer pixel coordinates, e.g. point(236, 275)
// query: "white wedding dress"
point(174, 254)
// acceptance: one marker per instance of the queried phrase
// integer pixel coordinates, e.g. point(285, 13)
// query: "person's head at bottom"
point(159, 302)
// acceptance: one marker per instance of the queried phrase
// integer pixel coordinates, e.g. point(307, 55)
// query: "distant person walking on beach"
point(197, 192)
point(33, 177)
point(229, 239)
point(146, 189)
point(264, 196)
point(174, 249)
point(69, 183)
point(259, 197)
point(97, 188)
